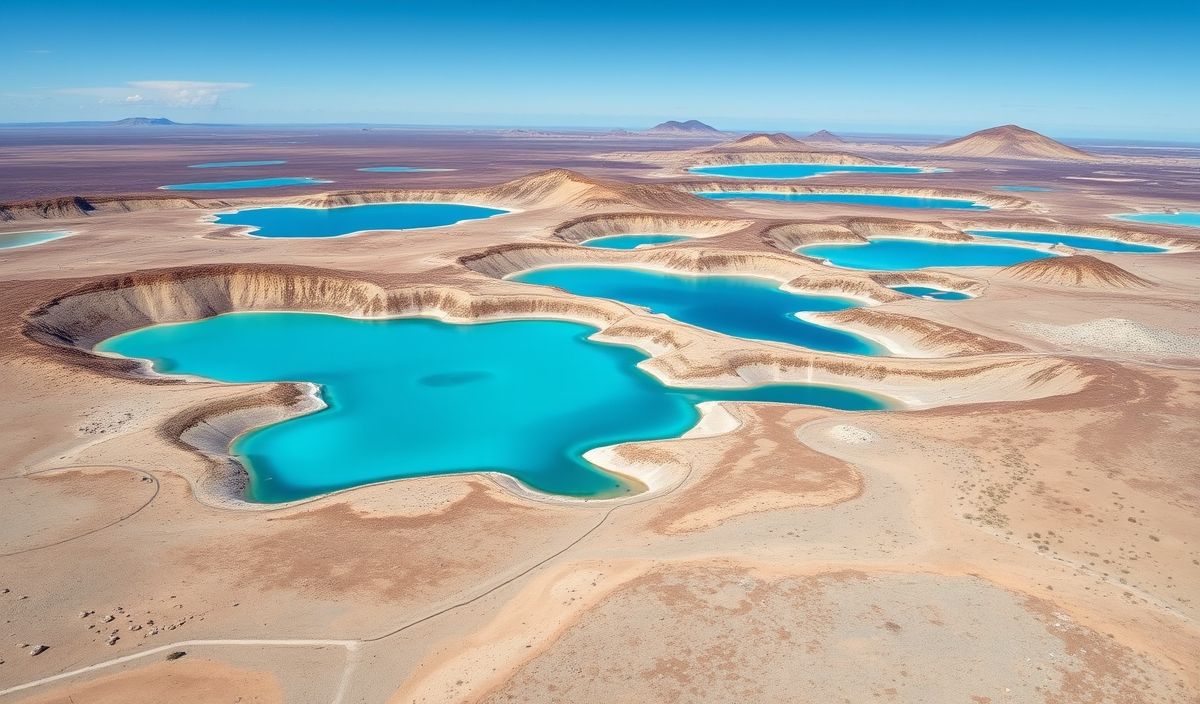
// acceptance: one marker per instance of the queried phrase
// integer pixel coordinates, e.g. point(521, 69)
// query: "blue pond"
point(789, 171)
point(335, 222)
point(632, 241)
point(244, 184)
point(901, 254)
point(398, 169)
point(938, 294)
point(414, 397)
point(741, 306)
point(236, 164)
point(1032, 189)
point(1186, 219)
point(882, 200)
point(1078, 241)
point(16, 240)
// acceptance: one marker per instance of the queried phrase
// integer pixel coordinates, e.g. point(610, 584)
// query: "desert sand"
point(1021, 528)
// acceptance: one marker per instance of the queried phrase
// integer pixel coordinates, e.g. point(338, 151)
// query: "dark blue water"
point(333, 222)
point(934, 293)
point(415, 397)
point(901, 254)
point(1078, 241)
point(244, 184)
point(886, 201)
point(741, 306)
point(1022, 188)
point(792, 171)
point(632, 241)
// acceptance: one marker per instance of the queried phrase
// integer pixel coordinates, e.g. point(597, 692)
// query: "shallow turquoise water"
point(333, 222)
point(934, 293)
point(1187, 219)
point(414, 397)
point(237, 164)
point(397, 169)
point(244, 184)
point(15, 240)
point(1081, 242)
point(1022, 188)
point(787, 171)
point(901, 254)
point(631, 241)
point(887, 201)
point(741, 306)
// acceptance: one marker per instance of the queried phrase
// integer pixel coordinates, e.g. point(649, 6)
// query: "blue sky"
point(1065, 68)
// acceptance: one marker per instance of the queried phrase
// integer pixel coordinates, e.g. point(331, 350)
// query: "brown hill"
point(569, 188)
point(823, 136)
point(1077, 270)
point(1009, 142)
point(762, 140)
point(690, 128)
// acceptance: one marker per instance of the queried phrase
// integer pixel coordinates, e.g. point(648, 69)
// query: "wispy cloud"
point(175, 94)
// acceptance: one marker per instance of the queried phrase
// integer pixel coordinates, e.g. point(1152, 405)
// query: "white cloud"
point(175, 94)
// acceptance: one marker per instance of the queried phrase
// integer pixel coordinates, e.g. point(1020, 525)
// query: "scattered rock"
point(176, 655)
point(113, 639)
point(109, 618)
point(85, 614)
point(39, 649)
point(135, 627)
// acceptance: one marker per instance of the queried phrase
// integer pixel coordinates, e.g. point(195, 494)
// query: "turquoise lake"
point(741, 306)
point(237, 164)
point(244, 184)
point(1031, 189)
point(886, 201)
point(1099, 244)
point(787, 171)
point(902, 255)
point(938, 294)
point(632, 241)
point(414, 397)
point(16, 240)
point(1186, 219)
point(397, 169)
point(335, 222)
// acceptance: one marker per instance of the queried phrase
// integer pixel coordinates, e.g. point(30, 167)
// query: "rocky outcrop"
point(763, 140)
point(1009, 142)
point(78, 206)
point(915, 333)
point(1081, 270)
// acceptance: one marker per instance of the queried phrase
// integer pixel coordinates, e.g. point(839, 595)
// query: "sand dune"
point(1081, 270)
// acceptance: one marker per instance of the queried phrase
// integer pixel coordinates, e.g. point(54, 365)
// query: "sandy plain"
point(1024, 530)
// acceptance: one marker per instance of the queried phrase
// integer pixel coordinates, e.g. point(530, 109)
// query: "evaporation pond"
point(875, 199)
point(16, 240)
point(413, 397)
point(1100, 244)
point(632, 241)
point(901, 254)
point(333, 222)
point(741, 306)
point(244, 184)
point(1186, 219)
point(786, 171)
point(938, 294)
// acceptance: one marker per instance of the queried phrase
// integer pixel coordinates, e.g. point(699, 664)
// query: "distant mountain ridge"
point(823, 136)
point(1009, 142)
point(142, 122)
point(689, 127)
